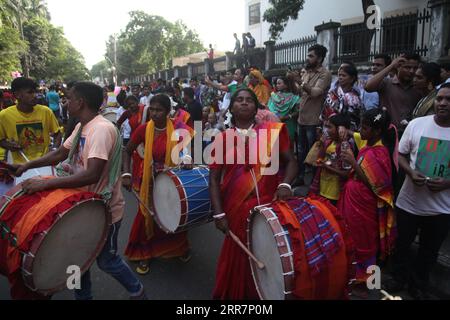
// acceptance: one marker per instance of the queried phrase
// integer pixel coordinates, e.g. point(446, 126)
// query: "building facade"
point(345, 12)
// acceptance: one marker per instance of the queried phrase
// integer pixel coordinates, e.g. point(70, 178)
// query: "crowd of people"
point(377, 150)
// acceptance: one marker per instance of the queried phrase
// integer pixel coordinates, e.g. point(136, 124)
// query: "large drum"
point(110, 114)
point(181, 199)
point(276, 236)
point(44, 234)
point(43, 172)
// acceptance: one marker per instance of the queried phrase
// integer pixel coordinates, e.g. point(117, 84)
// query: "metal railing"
point(396, 35)
point(294, 52)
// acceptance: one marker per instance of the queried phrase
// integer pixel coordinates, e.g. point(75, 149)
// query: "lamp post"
point(113, 70)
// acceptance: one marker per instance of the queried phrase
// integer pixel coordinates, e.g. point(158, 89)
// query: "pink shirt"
point(97, 141)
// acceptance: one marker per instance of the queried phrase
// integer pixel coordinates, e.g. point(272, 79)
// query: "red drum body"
point(43, 235)
point(275, 241)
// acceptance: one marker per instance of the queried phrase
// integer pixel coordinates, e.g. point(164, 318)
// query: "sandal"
point(186, 258)
point(143, 268)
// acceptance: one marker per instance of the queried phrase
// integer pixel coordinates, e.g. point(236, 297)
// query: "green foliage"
point(36, 32)
point(27, 36)
point(11, 48)
point(148, 44)
point(280, 13)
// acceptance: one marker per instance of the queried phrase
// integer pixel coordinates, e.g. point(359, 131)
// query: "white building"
point(346, 12)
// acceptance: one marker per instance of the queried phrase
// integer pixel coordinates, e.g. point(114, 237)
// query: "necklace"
point(160, 130)
point(245, 132)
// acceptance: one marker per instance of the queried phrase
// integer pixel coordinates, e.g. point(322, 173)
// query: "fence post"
point(439, 45)
point(207, 66)
point(270, 54)
point(326, 36)
point(229, 60)
point(176, 72)
point(190, 70)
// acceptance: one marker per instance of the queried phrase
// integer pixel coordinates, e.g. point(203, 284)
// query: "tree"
point(64, 61)
point(279, 14)
point(28, 37)
point(37, 34)
point(148, 44)
point(283, 10)
point(11, 48)
point(100, 70)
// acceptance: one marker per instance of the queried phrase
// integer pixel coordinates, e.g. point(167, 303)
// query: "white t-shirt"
point(429, 148)
point(126, 129)
point(146, 100)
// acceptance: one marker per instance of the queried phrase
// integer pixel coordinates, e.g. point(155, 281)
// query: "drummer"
point(94, 142)
point(147, 240)
point(25, 129)
point(234, 193)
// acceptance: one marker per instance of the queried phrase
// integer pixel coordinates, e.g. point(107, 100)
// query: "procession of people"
point(378, 155)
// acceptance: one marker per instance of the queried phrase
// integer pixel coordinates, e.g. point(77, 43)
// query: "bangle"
point(186, 159)
point(285, 185)
point(126, 175)
point(219, 216)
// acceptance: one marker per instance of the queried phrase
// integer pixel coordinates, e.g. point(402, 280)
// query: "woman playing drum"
point(245, 186)
point(147, 240)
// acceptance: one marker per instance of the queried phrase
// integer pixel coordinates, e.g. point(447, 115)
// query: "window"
point(254, 13)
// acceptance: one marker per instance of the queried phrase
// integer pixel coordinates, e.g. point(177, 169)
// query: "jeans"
point(433, 232)
point(307, 137)
point(110, 262)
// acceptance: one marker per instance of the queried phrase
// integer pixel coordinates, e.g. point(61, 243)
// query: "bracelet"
point(187, 159)
point(219, 216)
point(285, 185)
point(126, 175)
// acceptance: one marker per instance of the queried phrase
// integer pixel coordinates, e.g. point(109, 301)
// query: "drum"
point(277, 238)
point(43, 172)
point(110, 113)
point(46, 233)
point(181, 199)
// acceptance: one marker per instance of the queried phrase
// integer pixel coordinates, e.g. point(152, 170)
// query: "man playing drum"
point(91, 148)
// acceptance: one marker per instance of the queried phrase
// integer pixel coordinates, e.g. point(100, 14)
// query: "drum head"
point(43, 172)
point(270, 280)
point(166, 200)
point(75, 240)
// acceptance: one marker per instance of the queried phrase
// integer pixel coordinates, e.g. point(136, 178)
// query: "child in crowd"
point(331, 173)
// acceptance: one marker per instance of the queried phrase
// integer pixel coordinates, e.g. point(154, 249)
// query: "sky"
point(88, 23)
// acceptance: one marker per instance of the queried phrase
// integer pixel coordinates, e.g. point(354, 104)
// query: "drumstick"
point(248, 252)
point(27, 160)
point(138, 198)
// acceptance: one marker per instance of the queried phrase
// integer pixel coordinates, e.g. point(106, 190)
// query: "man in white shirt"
point(147, 96)
point(424, 201)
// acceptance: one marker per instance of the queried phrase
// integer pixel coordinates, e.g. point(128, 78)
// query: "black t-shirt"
point(195, 109)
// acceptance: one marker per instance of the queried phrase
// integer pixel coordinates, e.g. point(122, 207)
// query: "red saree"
point(233, 279)
point(369, 212)
point(140, 246)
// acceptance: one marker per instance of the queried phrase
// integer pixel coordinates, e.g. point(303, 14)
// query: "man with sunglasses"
point(26, 128)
